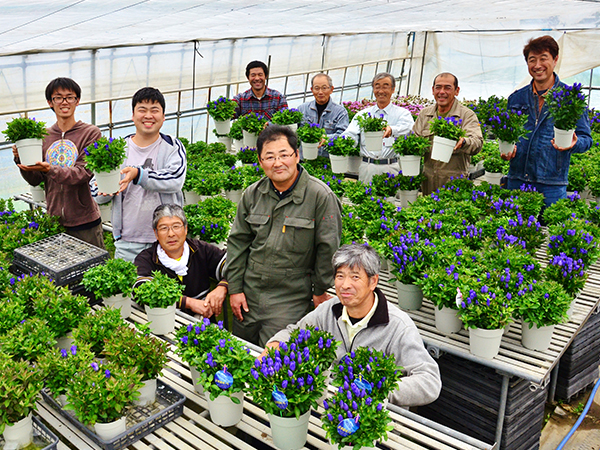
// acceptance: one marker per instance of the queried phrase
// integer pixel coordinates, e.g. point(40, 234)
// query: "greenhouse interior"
point(195, 164)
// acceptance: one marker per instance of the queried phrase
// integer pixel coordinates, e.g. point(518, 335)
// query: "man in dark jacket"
point(192, 262)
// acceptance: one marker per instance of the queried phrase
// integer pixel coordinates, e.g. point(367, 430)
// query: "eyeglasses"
point(164, 229)
point(282, 158)
point(58, 99)
point(321, 88)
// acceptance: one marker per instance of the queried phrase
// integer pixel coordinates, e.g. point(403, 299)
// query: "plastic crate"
point(141, 420)
point(43, 438)
point(62, 257)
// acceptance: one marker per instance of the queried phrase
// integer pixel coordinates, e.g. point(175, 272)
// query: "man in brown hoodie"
point(62, 169)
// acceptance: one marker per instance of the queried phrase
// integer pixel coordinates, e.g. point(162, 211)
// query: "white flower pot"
point(563, 138)
point(234, 196)
point(480, 165)
point(65, 342)
point(62, 400)
point(30, 151)
point(506, 147)
point(250, 139)
point(162, 320)
point(19, 434)
point(37, 194)
point(354, 163)
point(535, 338)
point(410, 296)
point(472, 168)
point(485, 343)
point(147, 393)
point(391, 200)
point(442, 149)
point(385, 265)
point(408, 197)
point(310, 150)
point(373, 141)
point(194, 374)
point(222, 126)
point(447, 320)
point(292, 126)
point(493, 177)
point(191, 198)
point(119, 302)
point(108, 182)
point(237, 145)
point(223, 411)
point(339, 164)
point(109, 431)
point(226, 141)
point(105, 211)
point(289, 433)
point(410, 165)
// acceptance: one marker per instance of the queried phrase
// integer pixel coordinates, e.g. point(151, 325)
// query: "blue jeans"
point(552, 193)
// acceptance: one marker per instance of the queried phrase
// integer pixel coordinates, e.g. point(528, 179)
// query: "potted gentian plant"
point(410, 149)
point(447, 131)
point(159, 297)
point(248, 155)
point(20, 385)
point(385, 185)
point(237, 135)
point(574, 238)
point(112, 282)
point(95, 328)
point(29, 340)
point(508, 126)
point(289, 117)
point(100, 394)
point(568, 272)
point(566, 104)
point(27, 134)
point(145, 354)
point(233, 184)
point(372, 127)
point(252, 124)
point(311, 135)
point(495, 168)
point(409, 188)
point(224, 372)
point(104, 158)
point(222, 111)
point(339, 149)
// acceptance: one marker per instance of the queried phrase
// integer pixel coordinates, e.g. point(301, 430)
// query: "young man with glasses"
point(192, 262)
point(62, 168)
point(322, 110)
point(287, 227)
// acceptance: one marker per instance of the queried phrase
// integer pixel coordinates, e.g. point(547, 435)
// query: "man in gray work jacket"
point(287, 227)
point(360, 316)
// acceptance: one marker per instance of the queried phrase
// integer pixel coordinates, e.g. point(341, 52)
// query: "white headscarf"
point(179, 267)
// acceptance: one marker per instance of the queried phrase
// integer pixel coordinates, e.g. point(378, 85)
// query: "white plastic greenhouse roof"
point(57, 25)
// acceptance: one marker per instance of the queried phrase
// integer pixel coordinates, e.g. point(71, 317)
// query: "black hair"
point(62, 83)
point(148, 94)
point(274, 132)
point(447, 74)
point(540, 45)
point(257, 64)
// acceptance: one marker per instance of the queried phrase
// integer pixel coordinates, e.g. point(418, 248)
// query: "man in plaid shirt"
point(259, 98)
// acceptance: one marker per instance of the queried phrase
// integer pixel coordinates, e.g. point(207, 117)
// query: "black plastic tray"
point(141, 420)
point(41, 434)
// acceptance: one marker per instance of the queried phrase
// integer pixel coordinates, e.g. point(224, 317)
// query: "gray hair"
point(381, 75)
point(357, 256)
point(168, 210)
point(329, 80)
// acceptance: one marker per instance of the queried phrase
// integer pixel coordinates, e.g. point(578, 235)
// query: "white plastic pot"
point(237, 145)
point(30, 151)
point(105, 211)
point(222, 126)
point(66, 341)
point(410, 165)
point(226, 141)
point(250, 139)
point(447, 320)
point(373, 141)
point(354, 163)
point(234, 196)
point(505, 147)
point(563, 138)
point(191, 198)
point(19, 434)
point(310, 150)
point(493, 177)
point(194, 374)
point(162, 320)
point(223, 411)
point(147, 393)
point(289, 433)
point(119, 302)
point(442, 149)
point(108, 182)
point(410, 296)
point(109, 431)
point(535, 338)
point(37, 194)
point(339, 164)
point(292, 126)
point(485, 343)
point(408, 197)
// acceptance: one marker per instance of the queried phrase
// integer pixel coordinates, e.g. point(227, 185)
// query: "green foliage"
point(248, 155)
point(508, 125)
point(221, 109)
point(159, 292)
point(20, 385)
point(530, 202)
point(341, 146)
point(484, 307)
point(61, 310)
point(335, 184)
point(357, 191)
point(411, 255)
point(317, 167)
point(102, 392)
point(566, 104)
point(206, 184)
point(194, 341)
point(210, 219)
point(411, 144)
point(565, 209)
point(95, 328)
point(236, 132)
point(577, 178)
point(487, 108)
point(568, 272)
point(253, 122)
point(369, 123)
point(353, 227)
point(542, 303)
point(385, 185)
point(11, 313)
point(495, 164)
point(575, 238)
point(115, 277)
point(28, 288)
point(24, 128)
point(311, 133)
point(144, 353)
point(447, 127)
point(28, 340)
point(439, 283)
point(287, 116)
point(234, 179)
point(410, 183)
point(105, 155)
point(59, 366)
point(252, 173)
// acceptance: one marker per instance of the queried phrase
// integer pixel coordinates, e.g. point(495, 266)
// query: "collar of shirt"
point(287, 192)
point(353, 329)
point(266, 95)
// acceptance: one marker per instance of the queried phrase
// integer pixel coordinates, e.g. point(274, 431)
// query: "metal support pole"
point(502, 409)
point(553, 381)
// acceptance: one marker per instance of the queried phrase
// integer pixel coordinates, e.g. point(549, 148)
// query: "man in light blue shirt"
point(400, 122)
point(331, 116)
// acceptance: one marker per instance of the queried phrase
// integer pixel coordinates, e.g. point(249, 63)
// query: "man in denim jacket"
point(536, 160)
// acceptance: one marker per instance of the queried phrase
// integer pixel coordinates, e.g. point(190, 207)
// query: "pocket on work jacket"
point(299, 234)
